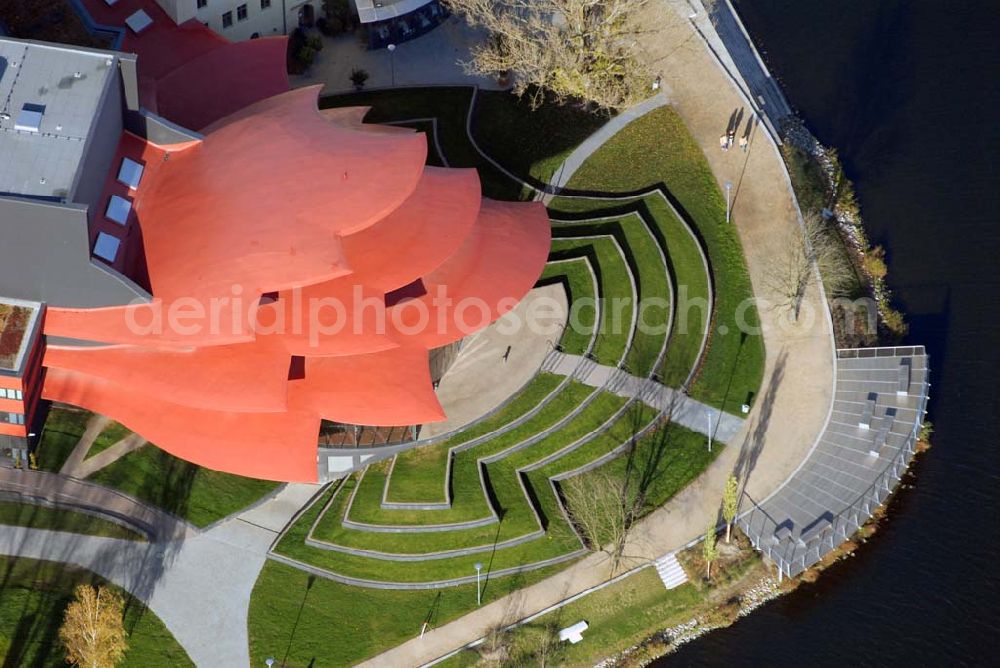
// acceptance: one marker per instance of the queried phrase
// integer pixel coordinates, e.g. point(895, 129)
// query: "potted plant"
point(358, 78)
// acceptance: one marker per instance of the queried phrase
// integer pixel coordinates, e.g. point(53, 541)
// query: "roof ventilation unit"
point(29, 119)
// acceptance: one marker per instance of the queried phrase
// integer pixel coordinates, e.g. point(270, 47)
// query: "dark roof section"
point(46, 257)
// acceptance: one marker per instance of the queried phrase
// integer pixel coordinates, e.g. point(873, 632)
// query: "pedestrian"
point(506, 354)
point(724, 142)
point(744, 143)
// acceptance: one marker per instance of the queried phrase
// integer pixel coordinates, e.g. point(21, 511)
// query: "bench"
point(905, 367)
point(882, 436)
point(868, 410)
point(573, 634)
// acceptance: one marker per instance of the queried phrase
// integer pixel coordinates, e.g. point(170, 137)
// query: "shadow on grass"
point(310, 581)
point(34, 593)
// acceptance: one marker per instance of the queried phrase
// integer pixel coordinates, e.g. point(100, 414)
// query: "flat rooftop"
point(18, 320)
point(66, 85)
point(370, 11)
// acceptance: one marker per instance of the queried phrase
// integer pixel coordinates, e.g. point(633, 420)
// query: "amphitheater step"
point(670, 571)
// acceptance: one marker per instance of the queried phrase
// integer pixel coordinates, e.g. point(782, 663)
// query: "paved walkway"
point(681, 408)
point(485, 374)
point(796, 396)
point(580, 154)
point(95, 425)
point(200, 587)
point(95, 463)
point(738, 49)
point(434, 58)
point(197, 583)
point(67, 491)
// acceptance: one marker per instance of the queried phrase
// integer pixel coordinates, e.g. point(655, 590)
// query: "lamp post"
point(392, 62)
point(729, 187)
point(709, 416)
point(479, 594)
point(269, 661)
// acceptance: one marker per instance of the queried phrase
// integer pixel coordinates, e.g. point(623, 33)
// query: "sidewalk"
point(681, 409)
point(798, 379)
point(197, 583)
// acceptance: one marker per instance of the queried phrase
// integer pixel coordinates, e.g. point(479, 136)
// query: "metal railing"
point(794, 553)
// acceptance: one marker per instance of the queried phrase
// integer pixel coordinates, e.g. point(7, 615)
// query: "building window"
point(202, 4)
point(227, 19)
point(241, 13)
point(12, 418)
point(265, 4)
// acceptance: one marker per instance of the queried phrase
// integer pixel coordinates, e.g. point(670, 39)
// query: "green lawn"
point(467, 497)
point(615, 289)
point(110, 435)
point(450, 106)
point(660, 143)
point(530, 142)
point(516, 512)
point(62, 519)
point(468, 502)
point(579, 281)
point(418, 474)
point(663, 463)
point(686, 267)
point(619, 616)
point(647, 266)
point(33, 598)
point(196, 494)
point(302, 620)
point(63, 429)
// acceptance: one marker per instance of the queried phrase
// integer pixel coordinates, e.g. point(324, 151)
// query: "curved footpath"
point(795, 398)
point(197, 582)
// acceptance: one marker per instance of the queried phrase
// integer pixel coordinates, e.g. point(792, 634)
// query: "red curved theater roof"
point(190, 74)
point(290, 253)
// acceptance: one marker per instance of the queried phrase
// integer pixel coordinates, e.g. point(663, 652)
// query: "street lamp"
point(708, 414)
point(392, 62)
point(269, 661)
point(729, 187)
point(479, 595)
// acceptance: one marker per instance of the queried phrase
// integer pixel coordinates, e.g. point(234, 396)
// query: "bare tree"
point(802, 249)
point(709, 550)
point(583, 49)
point(602, 510)
point(93, 632)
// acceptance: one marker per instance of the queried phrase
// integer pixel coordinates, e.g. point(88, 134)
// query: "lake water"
point(909, 94)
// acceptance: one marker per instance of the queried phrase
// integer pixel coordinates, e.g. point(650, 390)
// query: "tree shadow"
point(752, 445)
point(310, 581)
point(44, 588)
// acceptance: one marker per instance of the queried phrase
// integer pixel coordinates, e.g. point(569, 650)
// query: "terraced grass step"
point(580, 282)
point(468, 502)
point(732, 368)
point(559, 540)
point(647, 263)
point(418, 475)
point(507, 494)
point(688, 264)
point(533, 553)
point(662, 464)
point(615, 287)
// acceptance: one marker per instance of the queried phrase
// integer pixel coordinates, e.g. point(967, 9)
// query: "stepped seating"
point(426, 517)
